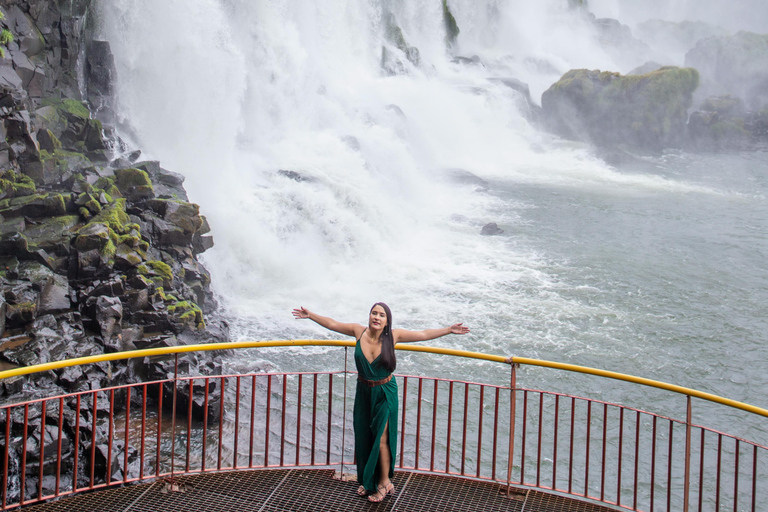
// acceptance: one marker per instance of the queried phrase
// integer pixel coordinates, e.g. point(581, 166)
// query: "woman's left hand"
point(459, 329)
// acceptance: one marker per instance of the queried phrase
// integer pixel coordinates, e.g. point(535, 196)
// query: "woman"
point(376, 398)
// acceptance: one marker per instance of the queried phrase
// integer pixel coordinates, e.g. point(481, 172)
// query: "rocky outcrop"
point(98, 249)
point(676, 37)
point(722, 123)
point(736, 65)
point(99, 242)
point(646, 111)
point(733, 99)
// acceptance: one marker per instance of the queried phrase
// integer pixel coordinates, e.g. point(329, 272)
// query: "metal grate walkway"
point(310, 490)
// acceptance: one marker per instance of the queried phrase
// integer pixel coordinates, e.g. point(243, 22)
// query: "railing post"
point(344, 415)
point(512, 407)
point(173, 417)
point(687, 481)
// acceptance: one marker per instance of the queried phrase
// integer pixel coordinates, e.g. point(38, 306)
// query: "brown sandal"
point(381, 493)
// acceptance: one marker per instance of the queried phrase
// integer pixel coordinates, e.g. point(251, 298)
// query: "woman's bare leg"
point(385, 457)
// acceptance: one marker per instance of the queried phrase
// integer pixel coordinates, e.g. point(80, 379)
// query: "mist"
point(750, 15)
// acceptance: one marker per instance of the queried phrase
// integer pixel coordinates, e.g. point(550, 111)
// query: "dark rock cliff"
point(98, 249)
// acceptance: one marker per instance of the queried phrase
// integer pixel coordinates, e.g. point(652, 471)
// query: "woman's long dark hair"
point(387, 358)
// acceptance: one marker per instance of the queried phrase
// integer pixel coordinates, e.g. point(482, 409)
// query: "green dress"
point(374, 407)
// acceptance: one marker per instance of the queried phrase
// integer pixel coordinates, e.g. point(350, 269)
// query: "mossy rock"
point(93, 206)
point(648, 111)
point(52, 233)
point(726, 105)
point(94, 235)
point(134, 184)
point(114, 216)
point(69, 107)
point(157, 271)
point(126, 257)
point(48, 140)
point(16, 185)
point(58, 163)
point(35, 205)
point(451, 27)
point(188, 313)
point(394, 34)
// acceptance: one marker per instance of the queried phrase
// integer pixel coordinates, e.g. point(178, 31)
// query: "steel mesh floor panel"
point(438, 493)
point(543, 502)
point(311, 490)
point(315, 491)
point(111, 500)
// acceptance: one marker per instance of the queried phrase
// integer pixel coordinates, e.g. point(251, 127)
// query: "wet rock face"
point(98, 250)
point(735, 65)
point(647, 111)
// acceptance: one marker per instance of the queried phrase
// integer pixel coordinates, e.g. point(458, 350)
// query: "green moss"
point(16, 185)
point(109, 251)
point(55, 140)
point(107, 185)
point(6, 37)
point(104, 182)
point(24, 185)
point(84, 213)
point(130, 240)
point(114, 216)
point(74, 107)
point(451, 27)
point(188, 312)
point(132, 177)
point(649, 109)
point(93, 206)
point(157, 272)
point(160, 268)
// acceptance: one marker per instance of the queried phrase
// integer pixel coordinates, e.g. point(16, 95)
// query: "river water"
point(656, 267)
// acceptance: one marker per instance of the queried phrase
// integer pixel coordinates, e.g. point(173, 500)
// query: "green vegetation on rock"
point(188, 312)
point(74, 107)
point(16, 185)
point(114, 216)
point(157, 271)
point(451, 27)
point(134, 183)
point(647, 110)
point(6, 37)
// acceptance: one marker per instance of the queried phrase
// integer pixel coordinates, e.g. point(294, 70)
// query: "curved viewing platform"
point(284, 441)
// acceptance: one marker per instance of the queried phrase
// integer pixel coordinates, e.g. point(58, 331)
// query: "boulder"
point(37, 205)
point(646, 111)
point(491, 229)
point(55, 296)
point(736, 65)
point(104, 315)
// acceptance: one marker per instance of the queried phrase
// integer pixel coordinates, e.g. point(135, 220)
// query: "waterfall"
point(329, 176)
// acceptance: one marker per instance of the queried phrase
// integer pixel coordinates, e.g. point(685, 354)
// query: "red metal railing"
point(609, 453)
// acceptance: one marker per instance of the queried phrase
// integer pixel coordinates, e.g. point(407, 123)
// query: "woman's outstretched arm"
point(329, 323)
point(404, 336)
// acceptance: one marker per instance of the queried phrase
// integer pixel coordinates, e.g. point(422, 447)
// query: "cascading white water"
point(230, 92)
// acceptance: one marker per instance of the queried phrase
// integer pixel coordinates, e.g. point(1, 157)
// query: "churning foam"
point(229, 93)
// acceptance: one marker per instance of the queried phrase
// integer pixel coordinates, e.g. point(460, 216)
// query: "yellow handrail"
point(154, 352)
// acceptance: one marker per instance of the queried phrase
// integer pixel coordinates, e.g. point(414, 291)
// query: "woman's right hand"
point(300, 313)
